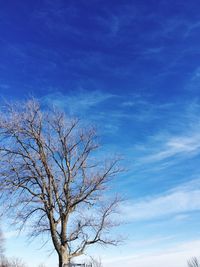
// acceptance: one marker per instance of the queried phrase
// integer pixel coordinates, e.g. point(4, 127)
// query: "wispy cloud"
point(192, 27)
point(176, 256)
point(193, 83)
point(11, 234)
point(118, 20)
point(179, 200)
point(176, 146)
point(177, 138)
point(77, 103)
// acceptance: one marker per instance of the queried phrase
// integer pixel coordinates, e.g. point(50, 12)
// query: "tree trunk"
point(63, 259)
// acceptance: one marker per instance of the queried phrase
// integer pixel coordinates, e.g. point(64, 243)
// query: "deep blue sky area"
point(121, 46)
point(133, 69)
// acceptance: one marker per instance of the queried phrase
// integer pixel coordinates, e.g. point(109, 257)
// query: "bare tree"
point(193, 262)
point(4, 262)
point(16, 262)
point(2, 242)
point(13, 262)
point(53, 179)
point(97, 262)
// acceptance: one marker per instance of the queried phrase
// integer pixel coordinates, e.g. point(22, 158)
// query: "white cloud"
point(171, 146)
point(11, 234)
point(194, 81)
point(191, 28)
point(177, 201)
point(176, 256)
point(76, 103)
point(148, 243)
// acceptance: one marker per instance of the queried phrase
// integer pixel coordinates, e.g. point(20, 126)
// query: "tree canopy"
point(54, 179)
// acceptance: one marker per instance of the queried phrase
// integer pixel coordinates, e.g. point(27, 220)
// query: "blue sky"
point(133, 69)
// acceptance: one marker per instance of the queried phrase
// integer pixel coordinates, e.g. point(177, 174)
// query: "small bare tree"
point(16, 262)
point(193, 262)
point(97, 262)
point(52, 179)
point(13, 262)
point(2, 242)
